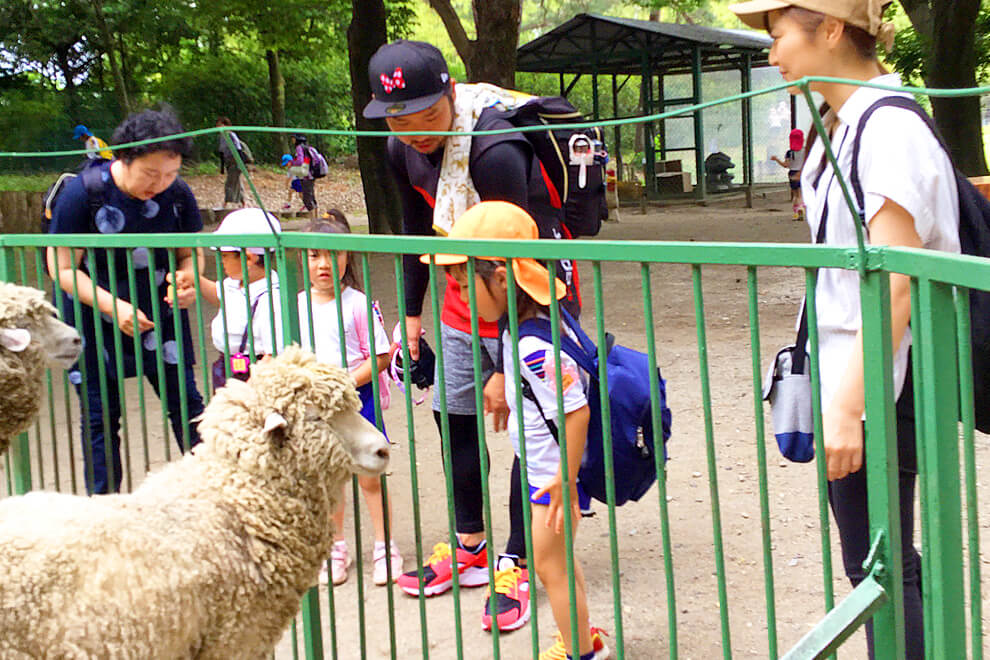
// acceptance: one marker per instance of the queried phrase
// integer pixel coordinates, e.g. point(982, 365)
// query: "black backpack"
point(584, 207)
point(92, 178)
point(974, 239)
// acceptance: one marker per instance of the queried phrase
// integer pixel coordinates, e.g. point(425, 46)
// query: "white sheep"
point(210, 556)
point(31, 340)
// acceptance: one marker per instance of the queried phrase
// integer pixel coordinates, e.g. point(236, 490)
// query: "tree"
point(946, 27)
point(365, 34)
point(491, 57)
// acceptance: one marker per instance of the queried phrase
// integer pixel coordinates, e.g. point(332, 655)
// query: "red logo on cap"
point(396, 81)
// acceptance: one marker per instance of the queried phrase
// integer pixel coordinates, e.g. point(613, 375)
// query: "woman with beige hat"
point(909, 198)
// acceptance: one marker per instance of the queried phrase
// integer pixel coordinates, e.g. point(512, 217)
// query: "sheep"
point(31, 340)
point(208, 557)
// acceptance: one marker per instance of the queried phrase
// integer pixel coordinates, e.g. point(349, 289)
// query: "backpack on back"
point(92, 179)
point(633, 448)
point(563, 154)
point(974, 239)
point(317, 163)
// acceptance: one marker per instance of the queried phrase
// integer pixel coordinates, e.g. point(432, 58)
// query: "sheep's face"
point(295, 416)
point(29, 320)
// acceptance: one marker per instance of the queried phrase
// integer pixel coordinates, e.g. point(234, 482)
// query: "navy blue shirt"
point(172, 211)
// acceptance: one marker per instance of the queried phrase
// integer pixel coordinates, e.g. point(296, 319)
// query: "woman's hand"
point(125, 318)
point(843, 442)
point(555, 511)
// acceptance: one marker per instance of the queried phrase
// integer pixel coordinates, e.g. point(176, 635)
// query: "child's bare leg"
point(372, 489)
point(338, 514)
point(550, 561)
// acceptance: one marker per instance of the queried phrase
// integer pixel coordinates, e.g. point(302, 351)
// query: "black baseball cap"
point(406, 77)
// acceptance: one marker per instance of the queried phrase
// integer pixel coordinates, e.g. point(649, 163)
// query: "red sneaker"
point(472, 571)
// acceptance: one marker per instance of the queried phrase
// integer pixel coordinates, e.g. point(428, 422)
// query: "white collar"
point(864, 97)
point(256, 288)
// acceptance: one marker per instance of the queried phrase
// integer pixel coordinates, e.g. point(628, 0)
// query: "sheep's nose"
point(382, 453)
point(77, 341)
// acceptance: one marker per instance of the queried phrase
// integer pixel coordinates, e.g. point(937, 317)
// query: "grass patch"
point(27, 182)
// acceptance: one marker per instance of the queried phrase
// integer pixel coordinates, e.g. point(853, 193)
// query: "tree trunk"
point(948, 26)
point(492, 56)
point(120, 87)
point(953, 65)
point(73, 106)
point(276, 88)
point(381, 199)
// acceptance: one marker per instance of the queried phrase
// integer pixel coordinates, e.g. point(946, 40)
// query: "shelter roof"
point(594, 43)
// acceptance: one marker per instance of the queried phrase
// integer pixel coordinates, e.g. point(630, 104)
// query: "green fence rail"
point(41, 459)
point(650, 615)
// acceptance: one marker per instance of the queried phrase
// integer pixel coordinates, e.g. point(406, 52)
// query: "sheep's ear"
point(274, 421)
point(275, 426)
point(15, 339)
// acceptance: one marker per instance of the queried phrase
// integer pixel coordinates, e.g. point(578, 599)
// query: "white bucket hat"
point(248, 221)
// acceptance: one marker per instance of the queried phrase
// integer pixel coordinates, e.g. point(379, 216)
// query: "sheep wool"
point(210, 556)
point(22, 371)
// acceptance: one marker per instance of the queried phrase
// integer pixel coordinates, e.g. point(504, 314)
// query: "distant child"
point(502, 220)
point(242, 328)
point(293, 184)
point(362, 366)
point(793, 162)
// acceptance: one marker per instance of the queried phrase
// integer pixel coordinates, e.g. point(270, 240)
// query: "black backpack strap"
point(903, 102)
point(527, 391)
point(92, 179)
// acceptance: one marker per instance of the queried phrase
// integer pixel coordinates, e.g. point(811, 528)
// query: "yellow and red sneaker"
point(511, 597)
point(559, 652)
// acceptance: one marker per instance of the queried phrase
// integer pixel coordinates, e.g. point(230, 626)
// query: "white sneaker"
point(340, 560)
point(380, 573)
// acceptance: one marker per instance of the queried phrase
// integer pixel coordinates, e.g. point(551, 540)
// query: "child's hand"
point(555, 512)
point(180, 293)
point(495, 403)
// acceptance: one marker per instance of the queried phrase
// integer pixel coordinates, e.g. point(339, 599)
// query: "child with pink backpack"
point(325, 342)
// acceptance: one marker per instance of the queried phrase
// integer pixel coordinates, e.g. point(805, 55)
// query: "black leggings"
point(849, 506)
point(466, 476)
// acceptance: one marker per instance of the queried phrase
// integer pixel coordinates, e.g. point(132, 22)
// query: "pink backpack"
point(361, 326)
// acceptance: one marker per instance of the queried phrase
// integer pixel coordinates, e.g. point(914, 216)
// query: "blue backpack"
point(629, 376)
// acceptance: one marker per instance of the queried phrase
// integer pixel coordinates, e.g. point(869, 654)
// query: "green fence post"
point(20, 448)
point(880, 463)
point(938, 441)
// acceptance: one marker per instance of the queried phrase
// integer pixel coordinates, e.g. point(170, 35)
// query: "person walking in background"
point(793, 162)
point(98, 148)
point(305, 157)
point(293, 183)
point(141, 192)
point(233, 188)
point(910, 199)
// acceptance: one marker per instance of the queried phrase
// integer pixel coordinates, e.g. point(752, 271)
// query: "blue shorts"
point(367, 396)
point(584, 500)
point(296, 185)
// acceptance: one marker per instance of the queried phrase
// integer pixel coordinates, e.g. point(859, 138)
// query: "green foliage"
point(911, 52)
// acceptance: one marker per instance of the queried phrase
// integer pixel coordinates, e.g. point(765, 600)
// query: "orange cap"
point(504, 221)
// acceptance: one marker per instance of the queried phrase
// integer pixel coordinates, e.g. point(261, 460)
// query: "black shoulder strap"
point(903, 102)
point(250, 322)
point(92, 179)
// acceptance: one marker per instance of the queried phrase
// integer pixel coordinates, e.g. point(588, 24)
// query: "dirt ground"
point(795, 548)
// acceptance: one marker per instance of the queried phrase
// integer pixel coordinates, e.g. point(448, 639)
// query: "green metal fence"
point(664, 592)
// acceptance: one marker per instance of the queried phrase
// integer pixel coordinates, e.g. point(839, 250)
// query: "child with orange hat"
point(793, 162)
point(535, 370)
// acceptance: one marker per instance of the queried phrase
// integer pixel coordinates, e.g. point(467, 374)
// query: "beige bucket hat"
point(865, 14)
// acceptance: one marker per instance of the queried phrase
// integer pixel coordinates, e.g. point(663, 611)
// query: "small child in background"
point(793, 162)
point(239, 313)
point(544, 470)
point(293, 184)
point(362, 366)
